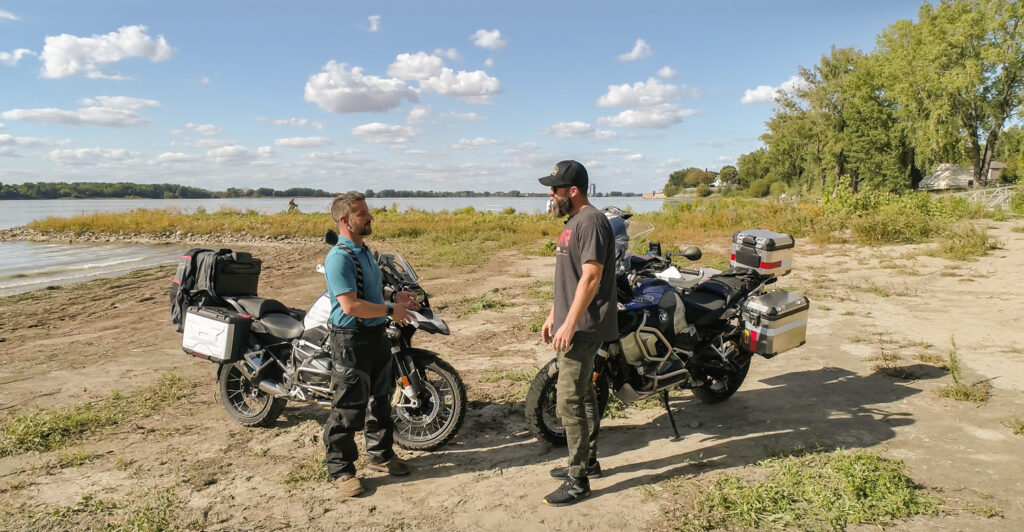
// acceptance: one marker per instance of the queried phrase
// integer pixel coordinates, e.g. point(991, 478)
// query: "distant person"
point(360, 350)
point(582, 318)
point(292, 206)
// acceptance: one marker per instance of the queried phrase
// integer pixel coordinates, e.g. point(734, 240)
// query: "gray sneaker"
point(571, 491)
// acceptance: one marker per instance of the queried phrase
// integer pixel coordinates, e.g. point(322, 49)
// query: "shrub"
point(703, 190)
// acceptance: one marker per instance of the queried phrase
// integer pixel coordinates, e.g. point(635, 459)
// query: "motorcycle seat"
point(282, 326)
point(259, 307)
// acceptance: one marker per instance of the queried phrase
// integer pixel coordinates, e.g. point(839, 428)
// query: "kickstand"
point(664, 399)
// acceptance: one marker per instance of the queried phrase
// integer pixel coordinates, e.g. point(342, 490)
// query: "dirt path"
point(77, 344)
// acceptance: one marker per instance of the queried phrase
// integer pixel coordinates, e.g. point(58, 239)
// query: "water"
point(27, 266)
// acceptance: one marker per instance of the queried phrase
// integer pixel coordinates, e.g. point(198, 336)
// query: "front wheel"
point(441, 409)
point(541, 417)
point(248, 404)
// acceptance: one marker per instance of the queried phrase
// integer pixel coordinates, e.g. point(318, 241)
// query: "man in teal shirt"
point(362, 374)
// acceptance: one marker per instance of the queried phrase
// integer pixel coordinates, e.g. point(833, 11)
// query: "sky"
point(407, 95)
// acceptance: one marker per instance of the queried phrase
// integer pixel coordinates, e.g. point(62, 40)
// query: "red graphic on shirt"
point(563, 242)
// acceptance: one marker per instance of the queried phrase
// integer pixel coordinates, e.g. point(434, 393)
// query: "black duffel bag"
point(236, 273)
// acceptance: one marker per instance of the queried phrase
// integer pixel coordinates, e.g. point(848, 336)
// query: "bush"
point(777, 189)
point(1017, 201)
point(703, 191)
point(759, 188)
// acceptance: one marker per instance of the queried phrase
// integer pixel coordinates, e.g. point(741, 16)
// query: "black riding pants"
point(363, 384)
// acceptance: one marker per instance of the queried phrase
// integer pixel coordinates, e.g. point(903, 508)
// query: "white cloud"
point(383, 133)
point(473, 87)
point(24, 142)
point(417, 114)
point(229, 154)
point(206, 130)
point(172, 157)
point(632, 157)
point(339, 90)
point(204, 80)
point(450, 53)
point(7, 15)
point(2, 125)
point(525, 148)
point(489, 63)
point(472, 144)
point(666, 72)
point(319, 126)
point(655, 117)
point(7, 151)
point(91, 156)
point(488, 39)
point(112, 111)
point(264, 151)
point(568, 130)
point(605, 134)
point(374, 23)
point(12, 58)
point(64, 55)
point(767, 93)
point(418, 66)
point(640, 51)
point(639, 94)
point(303, 142)
point(213, 143)
point(469, 117)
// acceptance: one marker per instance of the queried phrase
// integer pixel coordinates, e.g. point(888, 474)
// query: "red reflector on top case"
point(775, 264)
point(732, 257)
point(753, 340)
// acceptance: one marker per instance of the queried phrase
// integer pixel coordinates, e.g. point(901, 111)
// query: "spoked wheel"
point(245, 402)
point(541, 417)
point(721, 380)
point(439, 414)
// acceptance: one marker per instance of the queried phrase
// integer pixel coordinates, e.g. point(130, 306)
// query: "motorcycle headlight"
point(419, 295)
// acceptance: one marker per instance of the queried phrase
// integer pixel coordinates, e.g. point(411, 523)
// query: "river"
point(27, 266)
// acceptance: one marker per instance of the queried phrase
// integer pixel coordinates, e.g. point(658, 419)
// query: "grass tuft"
point(46, 430)
point(978, 393)
point(964, 242)
point(308, 469)
point(1016, 426)
point(809, 491)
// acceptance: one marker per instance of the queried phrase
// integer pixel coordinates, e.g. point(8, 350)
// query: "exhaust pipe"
point(272, 388)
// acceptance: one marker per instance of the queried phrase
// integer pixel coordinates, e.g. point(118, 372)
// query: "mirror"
point(692, 253)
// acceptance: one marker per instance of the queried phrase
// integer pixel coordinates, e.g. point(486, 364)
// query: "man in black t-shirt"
point(582, 318)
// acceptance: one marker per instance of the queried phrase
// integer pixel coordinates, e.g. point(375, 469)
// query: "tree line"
point(58, 190)
point(947, 88)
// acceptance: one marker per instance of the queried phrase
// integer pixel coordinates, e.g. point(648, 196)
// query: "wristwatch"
point(391, 308)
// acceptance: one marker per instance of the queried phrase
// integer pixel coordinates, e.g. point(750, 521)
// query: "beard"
point(559, 207)
point(361, 230)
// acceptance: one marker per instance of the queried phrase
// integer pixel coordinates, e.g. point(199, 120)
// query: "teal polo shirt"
point(341, 279)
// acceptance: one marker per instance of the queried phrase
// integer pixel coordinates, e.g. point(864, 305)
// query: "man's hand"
point(562, 340)
point(406, 299)
point(401, 315)
point(545, 330)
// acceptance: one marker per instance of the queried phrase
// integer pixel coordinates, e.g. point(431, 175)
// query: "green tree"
point(728, 174)
point(960, 69)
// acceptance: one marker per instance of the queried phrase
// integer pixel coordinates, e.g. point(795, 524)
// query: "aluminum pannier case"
point(775, 322)
point(768, 252)
point(216, 334)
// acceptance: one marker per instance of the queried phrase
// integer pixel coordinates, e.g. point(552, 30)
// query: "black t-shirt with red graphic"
point(587, 237)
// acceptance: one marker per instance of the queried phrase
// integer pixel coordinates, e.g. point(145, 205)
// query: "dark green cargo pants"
point(577, 404)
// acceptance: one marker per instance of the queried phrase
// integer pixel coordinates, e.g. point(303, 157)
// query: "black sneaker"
point(571, 491)
point(593, 470)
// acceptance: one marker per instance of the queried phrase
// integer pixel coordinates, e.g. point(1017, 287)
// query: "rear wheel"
point(440, 412)
point(722, 380)
point(541, 417)
point(245, 402)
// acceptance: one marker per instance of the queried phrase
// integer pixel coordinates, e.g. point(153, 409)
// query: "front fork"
point(405, 368)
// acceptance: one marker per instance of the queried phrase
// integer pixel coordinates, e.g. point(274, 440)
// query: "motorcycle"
point(694, 329)
point(285, 358)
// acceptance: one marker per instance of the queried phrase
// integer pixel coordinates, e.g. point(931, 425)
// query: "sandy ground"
point(78, 344)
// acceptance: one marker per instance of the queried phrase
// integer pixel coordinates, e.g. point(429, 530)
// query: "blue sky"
point(404, 95)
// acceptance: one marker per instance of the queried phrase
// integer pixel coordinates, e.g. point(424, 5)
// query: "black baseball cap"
point(567, 174)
